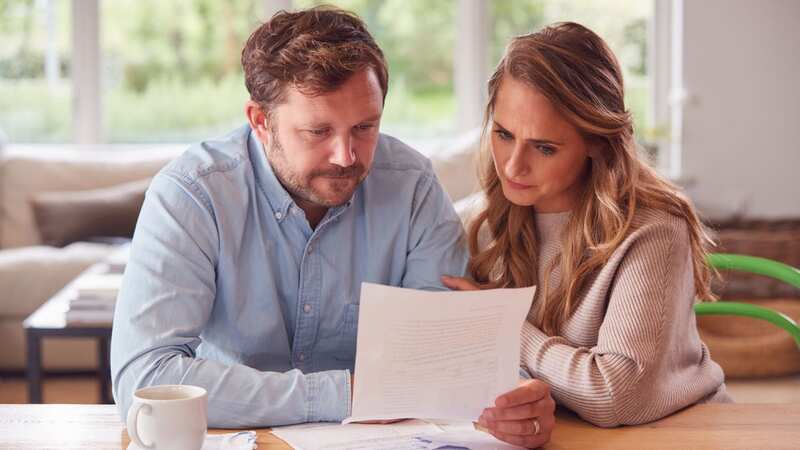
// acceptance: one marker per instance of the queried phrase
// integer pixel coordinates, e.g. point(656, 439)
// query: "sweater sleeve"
point(648, 361)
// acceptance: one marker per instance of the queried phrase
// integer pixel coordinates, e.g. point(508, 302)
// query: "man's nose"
point(343, 153)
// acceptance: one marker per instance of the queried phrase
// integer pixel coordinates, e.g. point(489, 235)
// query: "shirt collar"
point(279, 200)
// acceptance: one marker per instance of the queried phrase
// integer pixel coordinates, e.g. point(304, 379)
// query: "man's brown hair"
point(314, 50)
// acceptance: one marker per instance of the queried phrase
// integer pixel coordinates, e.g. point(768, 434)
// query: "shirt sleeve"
point(165, 302)
point(436, 239)
point(648, 361)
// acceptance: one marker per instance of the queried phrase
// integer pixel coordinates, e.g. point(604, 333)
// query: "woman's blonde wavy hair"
point(579, 74)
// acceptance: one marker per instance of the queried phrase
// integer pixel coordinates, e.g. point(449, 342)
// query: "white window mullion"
point(87, 123)
point(273, 6)
point(678, 95)
point(667, 93)
point(470, 62)
point(51, 64)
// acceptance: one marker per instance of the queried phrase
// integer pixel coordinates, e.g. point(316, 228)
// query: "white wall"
point(741, 127)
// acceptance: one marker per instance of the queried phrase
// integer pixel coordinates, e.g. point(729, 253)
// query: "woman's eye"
point(503, 135)
point(546, 150)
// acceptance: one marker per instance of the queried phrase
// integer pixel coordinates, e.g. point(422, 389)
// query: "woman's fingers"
point(459, 283)
point(528, 440)
point(529, 418)
point(537, 408)
point(527, 392)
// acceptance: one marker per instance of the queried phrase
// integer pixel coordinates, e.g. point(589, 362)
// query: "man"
point(246, 265)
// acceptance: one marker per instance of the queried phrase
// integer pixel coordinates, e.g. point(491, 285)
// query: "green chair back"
point(760, 266)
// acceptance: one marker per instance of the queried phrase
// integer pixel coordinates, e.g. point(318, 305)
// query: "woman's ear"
point(594, 147)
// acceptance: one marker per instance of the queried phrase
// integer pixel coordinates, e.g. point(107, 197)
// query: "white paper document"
point(354, 436)
point(405, 435)
point(435, 355)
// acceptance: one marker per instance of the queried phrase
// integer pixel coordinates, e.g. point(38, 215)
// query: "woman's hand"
point(459, 283)
point(524, 416)
point(370, 422)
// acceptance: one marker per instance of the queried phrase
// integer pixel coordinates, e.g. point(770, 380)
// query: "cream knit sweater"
point(631, 352)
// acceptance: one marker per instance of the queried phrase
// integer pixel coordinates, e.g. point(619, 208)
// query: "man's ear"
point(258, 119)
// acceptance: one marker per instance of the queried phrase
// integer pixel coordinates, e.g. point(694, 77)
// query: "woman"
point(617, 252)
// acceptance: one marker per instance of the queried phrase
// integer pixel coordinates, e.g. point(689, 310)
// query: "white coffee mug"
point(169, 417)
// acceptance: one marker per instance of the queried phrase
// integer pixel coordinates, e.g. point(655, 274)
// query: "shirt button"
point(278, 215)
point(301, 356)
point(307, 308)
point(310, 249)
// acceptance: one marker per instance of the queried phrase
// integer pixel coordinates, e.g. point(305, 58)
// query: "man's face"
point(321, 147)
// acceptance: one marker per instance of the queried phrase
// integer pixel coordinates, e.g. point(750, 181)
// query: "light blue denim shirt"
point(229, 288)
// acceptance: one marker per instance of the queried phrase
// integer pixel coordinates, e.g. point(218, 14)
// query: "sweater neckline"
point(549, 225)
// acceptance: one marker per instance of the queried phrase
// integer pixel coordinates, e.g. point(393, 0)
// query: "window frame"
point(667, 95)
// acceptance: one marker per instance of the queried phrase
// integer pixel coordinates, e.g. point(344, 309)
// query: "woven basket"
point(743, 346)
point(778, 240)
point(747, 347)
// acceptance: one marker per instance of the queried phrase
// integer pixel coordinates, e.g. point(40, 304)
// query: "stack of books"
point(96, 292)
point(96, 296)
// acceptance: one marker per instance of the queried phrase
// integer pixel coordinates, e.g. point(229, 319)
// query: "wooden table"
point(716, 426)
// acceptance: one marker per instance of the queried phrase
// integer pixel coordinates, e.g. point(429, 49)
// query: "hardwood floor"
point(84, 389)
point(60, 389)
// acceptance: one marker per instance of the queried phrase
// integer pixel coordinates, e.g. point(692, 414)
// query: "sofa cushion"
point(30, 276)
point(456, 165)
point(24, 174)
point(70, 216)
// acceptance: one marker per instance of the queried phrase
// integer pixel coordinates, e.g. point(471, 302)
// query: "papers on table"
point(96, 291)
point(408, 434)
point(95, 298)
point(119, 259)
point(242, 440)
point(354, 436)
point(98, 286)
point(436, 355)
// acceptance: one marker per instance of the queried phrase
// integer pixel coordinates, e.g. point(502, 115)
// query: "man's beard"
point(300, 187)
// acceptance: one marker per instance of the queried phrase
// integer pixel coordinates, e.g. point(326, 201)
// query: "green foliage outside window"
point(171, 71)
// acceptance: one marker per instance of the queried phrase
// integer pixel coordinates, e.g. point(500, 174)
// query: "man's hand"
point(516, 414)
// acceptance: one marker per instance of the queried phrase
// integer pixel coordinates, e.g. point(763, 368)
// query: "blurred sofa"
point(31, 271)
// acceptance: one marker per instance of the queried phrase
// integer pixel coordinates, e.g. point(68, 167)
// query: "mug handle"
point(133, 423)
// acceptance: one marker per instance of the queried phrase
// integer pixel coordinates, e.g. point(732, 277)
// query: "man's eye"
point(319, 131)
point(365, 127)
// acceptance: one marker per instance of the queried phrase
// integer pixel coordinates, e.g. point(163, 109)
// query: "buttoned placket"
point(309, 295)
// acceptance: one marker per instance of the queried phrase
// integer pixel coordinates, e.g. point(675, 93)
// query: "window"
point(623, 24)
point(35, 90)
point(417, 38)
point(171, 70)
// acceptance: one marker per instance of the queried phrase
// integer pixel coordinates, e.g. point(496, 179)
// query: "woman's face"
point(541, 158)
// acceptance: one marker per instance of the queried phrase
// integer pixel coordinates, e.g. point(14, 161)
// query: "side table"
point(49, 321)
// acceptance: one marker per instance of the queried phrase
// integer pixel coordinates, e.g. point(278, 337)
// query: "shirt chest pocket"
point(347, 333)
